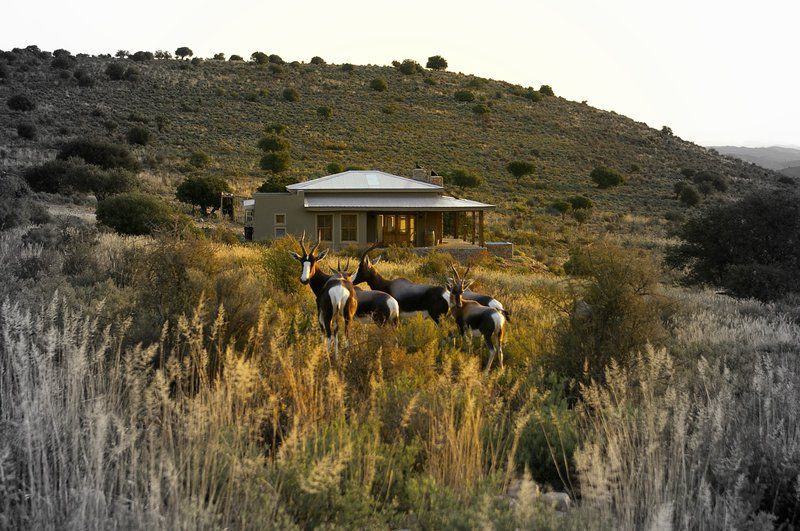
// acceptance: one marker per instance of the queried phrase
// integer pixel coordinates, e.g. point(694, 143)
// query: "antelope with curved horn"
point(476, 319)
point(381, 307)
point(336, 299)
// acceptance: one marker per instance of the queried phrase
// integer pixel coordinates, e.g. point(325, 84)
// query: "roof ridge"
point(319, 180)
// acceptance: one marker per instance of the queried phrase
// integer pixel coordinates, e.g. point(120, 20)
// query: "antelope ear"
point(322, 255)
point(296, 256)
point(377, 260)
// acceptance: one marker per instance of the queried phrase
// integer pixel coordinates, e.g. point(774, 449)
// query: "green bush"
point(689, 195)
point(546, 90)
point(291, 94)
point(464, 178)
point(141, 56)
point(202, 191)
point(562, 207)
point(347, 67)
point(199, 159)
point(20, 102)
point(532, 95)
point(196, 61)
point(580, 202)
point(259, 58)
point(27, 130)
point(278, 129)
point(138, 135)
point(519, 169)
point(235, 57)
point(436, 62)
point(63, 62)
point(317, 60)
point(99, 153)
point(275, 69)
point(83, 77)
point(715, 181)
point(276, 161)
point(409, 67)
point(464, 96)
point(480, 109)
point(131, 74)
point(163, 54)
point(748, 247)
point(378, 84)
point(325, 112)
point(334, 167)
point(75, 176)
point(184, 52)
point(275, 184)
point(273, 142)
point(135, 213)
point(606, 177)
point(17, 209)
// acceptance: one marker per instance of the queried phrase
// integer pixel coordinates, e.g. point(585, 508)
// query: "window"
point(349, 227)
point(280, 219)
point(325, 227)
point(280, 232)
point(248, 216)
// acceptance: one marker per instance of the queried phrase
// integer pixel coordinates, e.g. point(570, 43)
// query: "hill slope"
point(221, 108)
point(772, 158)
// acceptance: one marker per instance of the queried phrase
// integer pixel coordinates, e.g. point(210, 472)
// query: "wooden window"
point(325, 227)
point(280, 220)
point(248, 216)
point(280, 232)
point(349, 227)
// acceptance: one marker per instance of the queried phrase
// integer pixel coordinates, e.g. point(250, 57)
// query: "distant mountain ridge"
point(772, 158)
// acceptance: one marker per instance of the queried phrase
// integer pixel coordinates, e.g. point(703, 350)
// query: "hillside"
point(772, 158)
point(222, 107)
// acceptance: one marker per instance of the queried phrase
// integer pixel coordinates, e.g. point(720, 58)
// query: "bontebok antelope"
point(337, 299)
point(476, 319)
point(381, 307)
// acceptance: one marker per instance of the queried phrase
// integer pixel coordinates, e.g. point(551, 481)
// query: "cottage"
point(363, 207)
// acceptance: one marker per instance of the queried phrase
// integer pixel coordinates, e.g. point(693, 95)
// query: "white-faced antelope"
point(412, 297)
point(337, 299)
point(475, 319)
point(381, 307)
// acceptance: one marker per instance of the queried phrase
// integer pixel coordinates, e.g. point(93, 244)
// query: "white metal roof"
point(364, 181)
point(401, 202)
point(249, 203)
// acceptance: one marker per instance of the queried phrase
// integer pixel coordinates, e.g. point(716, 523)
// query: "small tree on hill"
point(142, 56)
point(273, 142)
point(100, 153)
point(580, 202)
point(520, 169)
point(347, 67)
point(135, 213)
point(27, 130)
point(259, 58)
point(562, 207)
point(203, 192)
point(436, 62)
point(409, 67)
point(122, 54)
point(546, 90)
point(276, 128)
point(325, 112)
point(183, 52)
point(465, 96)
point(334, 167)
point(219, 56)
point(115, 71)
point(317, 60)
point(463, 178)
point(162, 54)
point(276, 161)
point(606, 177)
point(20, 102)
point(235, 57)
point(689, 195)
point(291, 94)
point(378, 84)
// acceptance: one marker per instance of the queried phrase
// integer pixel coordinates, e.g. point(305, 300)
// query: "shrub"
point(324, 112)
point(63, 62)
point(785, 179)
point(480, 109)
point(276, 161)
point(141, 56)
point(562, 207)
point(27, 130)
point(546, 90)
point(689, 196)
point(464, 178)
point(20, 102)
point(276, 59)
point(437, 267)
point(519, 169)
point(436, 62)
point(532, 95)
point(259, 58)
point(748, 247)
point(138, 135)
point(273, 142)
point(317, 60)
point(581, 215)
point(276, 128)
point(347, 67)
point(115, 71)
point(83, 77)
point(678, 187)
point(199, 159)
point(618, 313)
point(3, 71)
point(579, 202)
point(100, 153)
point(17, 209)
point(135, 213)
point(61, 52)
point(275, 69)
point(196, 61)
point(204, 192)
point(122, 54)
point(131, 74)
point(606, 177)
point(409, 67)
point(235, 57)
point(184, 52)
point(714, 180)
point(291, 94)
point(163, 54)
point(378, 84)
point(74, 175)
point(219, 56)
point(334, 167)
point(464, 96)
point(688, 172)
point(275, 184)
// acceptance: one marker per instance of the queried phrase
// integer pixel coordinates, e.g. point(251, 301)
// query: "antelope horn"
point(339, 265)
point(456, 272)
point(369, 249)
point(347, 267)
point(466, 273)
point(302, 245)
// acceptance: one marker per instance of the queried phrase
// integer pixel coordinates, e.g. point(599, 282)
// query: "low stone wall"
point(463, 254)
point(501, 249)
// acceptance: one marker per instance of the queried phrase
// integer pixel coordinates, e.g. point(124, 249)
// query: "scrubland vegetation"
point(156, 372)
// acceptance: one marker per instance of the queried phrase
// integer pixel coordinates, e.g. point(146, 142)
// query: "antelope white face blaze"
point(304, 276)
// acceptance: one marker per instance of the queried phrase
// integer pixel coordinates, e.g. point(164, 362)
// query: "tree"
point(138, 135)
point(580, 202)
point(325, 112)
point(219, 56)
point(291, 94)
point(689, 195)
point(276, 161)
point(135, 213)
point(520, 169)
point(122, 54)
point(749, 247)
point(465, 96)
point(235, 57)
point(141, 57)
point(409, 67)
point(436, 62)
point(347, 67)
point(317, 60)
point(183, 52)
point(378, 84)
point(163, 54)
point(678, 187)
point(606, 177)
point(204, 192)
point(199, 159)
point(464, 178)
point(562, 207)
point(115, 71)
point(273, 142)
point(100, 153)
point(63, 62)
point(546, 90)
point(275, 184)
point(20, 102)
point(276, 59)
point(334, 167)
point(75, 176)
point(259, 58)
point(27, 130)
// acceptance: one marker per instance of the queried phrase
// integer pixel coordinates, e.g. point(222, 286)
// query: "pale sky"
point(716, 72)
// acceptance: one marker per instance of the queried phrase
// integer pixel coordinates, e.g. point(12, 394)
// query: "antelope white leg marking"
point(394, 308)
point(306, 272)
point(499, 321)
point(339, 296)
point(494, 303)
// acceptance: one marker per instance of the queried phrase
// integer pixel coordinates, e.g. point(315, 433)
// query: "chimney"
point(427, 176)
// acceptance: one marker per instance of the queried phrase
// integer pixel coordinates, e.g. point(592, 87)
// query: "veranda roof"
point(392, 202)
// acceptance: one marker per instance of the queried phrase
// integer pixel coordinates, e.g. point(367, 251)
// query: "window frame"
point(280, 223)
point(353, 228)
point(319, 232)
point(281, 228)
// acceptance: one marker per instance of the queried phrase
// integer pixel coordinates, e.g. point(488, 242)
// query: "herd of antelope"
point(338, 299)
